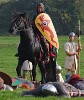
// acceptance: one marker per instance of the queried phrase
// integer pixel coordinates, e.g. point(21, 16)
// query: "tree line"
point(64, 13)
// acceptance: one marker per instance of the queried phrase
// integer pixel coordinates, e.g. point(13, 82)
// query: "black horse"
point(29, 47)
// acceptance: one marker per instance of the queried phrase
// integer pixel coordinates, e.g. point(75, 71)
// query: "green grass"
point(8, 63)
point(8, 48)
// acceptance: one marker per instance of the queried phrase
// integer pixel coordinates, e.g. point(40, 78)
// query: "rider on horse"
point(50, 52)
point(44, 42)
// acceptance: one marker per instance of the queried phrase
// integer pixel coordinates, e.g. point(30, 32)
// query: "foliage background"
point(64, 13)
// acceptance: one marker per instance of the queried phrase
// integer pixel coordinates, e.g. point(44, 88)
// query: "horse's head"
point(19, 23)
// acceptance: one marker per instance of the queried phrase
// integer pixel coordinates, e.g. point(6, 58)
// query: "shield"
point(44, 24)
point(7, 79)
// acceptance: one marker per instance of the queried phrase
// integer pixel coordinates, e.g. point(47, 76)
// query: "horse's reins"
point(19, 25)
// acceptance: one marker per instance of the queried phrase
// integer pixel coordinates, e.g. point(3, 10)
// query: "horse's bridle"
point(17, 26)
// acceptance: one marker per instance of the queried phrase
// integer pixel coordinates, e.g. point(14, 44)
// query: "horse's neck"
point(27, 35)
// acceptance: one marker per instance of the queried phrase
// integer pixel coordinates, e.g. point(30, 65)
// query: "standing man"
point(71, 49)
point(43, 41)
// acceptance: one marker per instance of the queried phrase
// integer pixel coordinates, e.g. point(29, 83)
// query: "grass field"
point(8, 63)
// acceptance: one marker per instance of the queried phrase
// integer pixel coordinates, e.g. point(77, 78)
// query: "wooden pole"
point(78, 46)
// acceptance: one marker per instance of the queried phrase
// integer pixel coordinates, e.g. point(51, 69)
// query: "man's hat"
point(72, 34)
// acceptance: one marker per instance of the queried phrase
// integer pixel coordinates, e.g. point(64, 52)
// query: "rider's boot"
point(45, 47)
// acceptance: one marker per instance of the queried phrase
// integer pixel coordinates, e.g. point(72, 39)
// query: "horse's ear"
point(13, 16)
point(13, 13)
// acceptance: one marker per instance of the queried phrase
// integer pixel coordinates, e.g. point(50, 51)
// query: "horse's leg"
point(18, 68)
point(42, 69)
point(34, 70)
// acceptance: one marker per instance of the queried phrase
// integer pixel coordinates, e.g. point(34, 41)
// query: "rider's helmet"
point(40, 8)
point(49, 89)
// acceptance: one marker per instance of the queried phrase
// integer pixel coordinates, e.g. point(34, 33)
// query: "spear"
point(78, 46)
